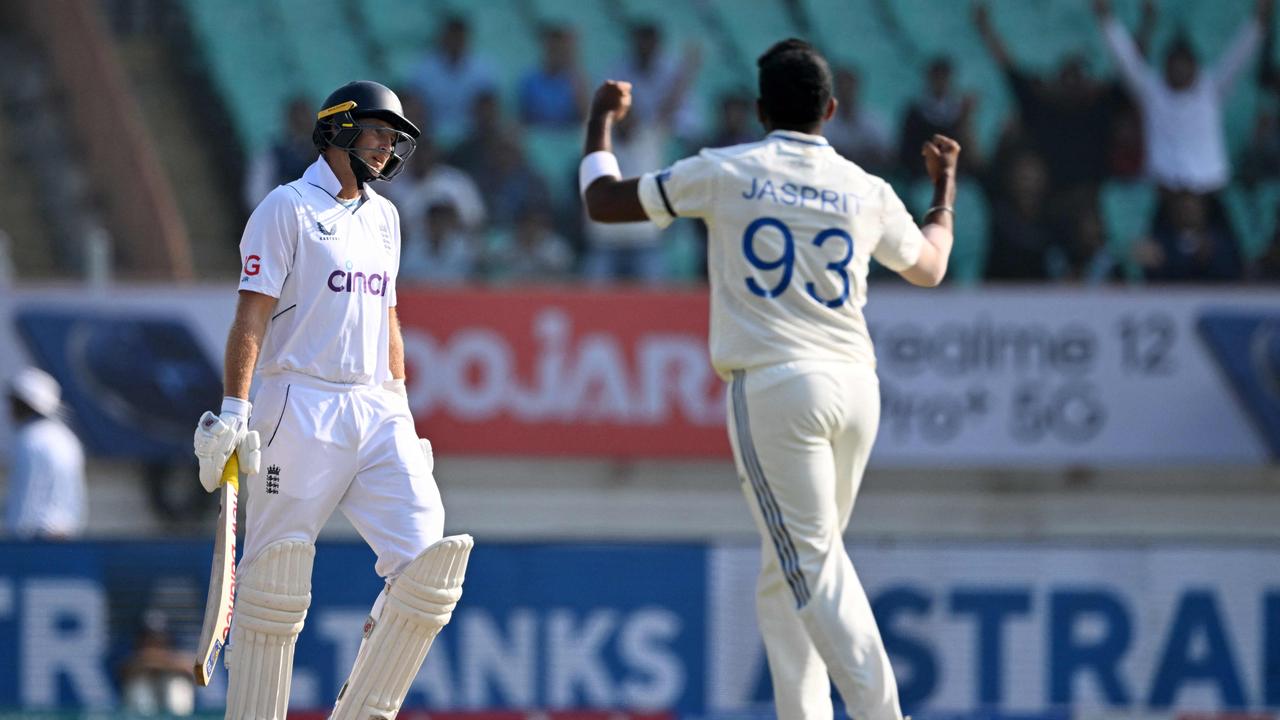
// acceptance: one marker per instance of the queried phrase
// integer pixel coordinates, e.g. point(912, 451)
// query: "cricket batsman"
point(329, 427)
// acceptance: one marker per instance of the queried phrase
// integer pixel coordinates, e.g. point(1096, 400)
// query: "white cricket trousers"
point(354, 448)
point(802, 433)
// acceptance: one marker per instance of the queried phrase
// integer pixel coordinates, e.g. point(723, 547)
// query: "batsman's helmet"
point(338, 124)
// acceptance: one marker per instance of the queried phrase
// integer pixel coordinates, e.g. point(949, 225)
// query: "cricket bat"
point(222, 578)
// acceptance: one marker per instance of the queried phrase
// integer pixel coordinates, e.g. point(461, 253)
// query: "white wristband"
point(596, 165)
point(236, 406)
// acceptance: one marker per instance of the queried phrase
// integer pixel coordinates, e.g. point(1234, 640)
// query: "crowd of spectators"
point(475, 208)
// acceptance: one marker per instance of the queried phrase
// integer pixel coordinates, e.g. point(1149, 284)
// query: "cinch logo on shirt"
point(374, 284)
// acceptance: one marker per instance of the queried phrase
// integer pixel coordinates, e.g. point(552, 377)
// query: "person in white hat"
point(46, 473)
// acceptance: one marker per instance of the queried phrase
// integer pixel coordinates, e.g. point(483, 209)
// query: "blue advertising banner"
point(133, 382)
point(1247, 346)
point(539, 625)
point(974, 630)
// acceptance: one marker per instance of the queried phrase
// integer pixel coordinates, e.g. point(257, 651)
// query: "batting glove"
point(396, 385)
point(217, 436)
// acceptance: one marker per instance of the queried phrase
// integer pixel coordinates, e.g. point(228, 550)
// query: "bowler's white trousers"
point(354, 448)
point(802, 433)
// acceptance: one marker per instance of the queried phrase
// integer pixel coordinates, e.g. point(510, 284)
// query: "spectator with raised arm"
point(1063, 115)
point(1182, 107)
point(662, 81)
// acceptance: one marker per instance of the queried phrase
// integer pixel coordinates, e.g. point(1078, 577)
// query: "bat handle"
point(231, 472)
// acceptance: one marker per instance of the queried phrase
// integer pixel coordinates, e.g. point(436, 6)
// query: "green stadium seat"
point(680, 22)
point(1039, 36)
point(935, 28)
point(754, 26)
point(972, 230)
point(1252, 214)
point(1211, 25)
point(884, 44)
point(852, 33)
point(500, 33)
point(842, 22)
point(322, 66)
point(1128, 212)
point(682, 250)
point(398, 25)
point(601, 37)
point(554, 155)
point(402, 64)
point(251, 76)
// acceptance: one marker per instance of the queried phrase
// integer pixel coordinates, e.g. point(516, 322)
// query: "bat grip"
point(231, 472)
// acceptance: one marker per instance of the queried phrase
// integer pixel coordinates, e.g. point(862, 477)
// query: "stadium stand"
point(1251, 210)
point(888, 43)
point(1127, 211)
point(969, 254)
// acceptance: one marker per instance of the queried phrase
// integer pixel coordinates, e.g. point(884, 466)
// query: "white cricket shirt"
point(46, 481)
point(791, 226)
point(1185, 141)
point(333, 271)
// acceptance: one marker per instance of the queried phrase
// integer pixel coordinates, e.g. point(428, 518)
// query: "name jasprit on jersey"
point(794, 195)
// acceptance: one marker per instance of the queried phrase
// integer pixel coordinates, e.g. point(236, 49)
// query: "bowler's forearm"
point(599, 134)
point(944, 196)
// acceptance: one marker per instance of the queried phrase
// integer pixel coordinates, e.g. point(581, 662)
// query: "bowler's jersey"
point(333, 271)
point(791, 226)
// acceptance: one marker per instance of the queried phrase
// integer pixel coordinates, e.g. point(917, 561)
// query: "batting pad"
point(420, 602)
point(271, 606)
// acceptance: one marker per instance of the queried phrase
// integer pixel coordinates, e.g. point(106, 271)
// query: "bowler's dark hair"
point(795, 84)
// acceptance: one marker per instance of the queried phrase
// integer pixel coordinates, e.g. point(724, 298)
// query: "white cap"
point(38, 389)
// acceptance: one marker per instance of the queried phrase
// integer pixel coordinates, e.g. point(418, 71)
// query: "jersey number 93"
point(786, 262)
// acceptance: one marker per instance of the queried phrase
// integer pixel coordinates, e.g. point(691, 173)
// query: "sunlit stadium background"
point(1072, 509)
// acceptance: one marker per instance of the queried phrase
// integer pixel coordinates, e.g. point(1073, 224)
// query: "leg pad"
point(419, 603)
point(271, 608)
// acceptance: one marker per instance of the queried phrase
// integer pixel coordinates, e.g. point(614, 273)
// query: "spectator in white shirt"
point(448, 254)
point(1182, 109)
point(46, 474)
point(427, 181)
